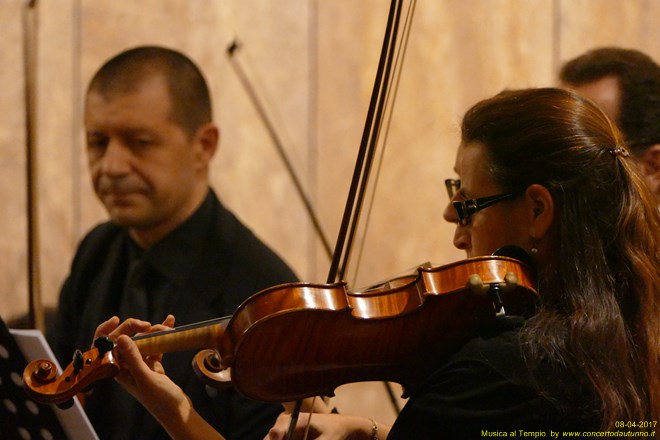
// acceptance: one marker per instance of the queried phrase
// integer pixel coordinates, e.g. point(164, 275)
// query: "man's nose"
point(116, 160)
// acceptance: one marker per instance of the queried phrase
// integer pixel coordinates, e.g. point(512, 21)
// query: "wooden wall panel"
point(58, 152)
point(249, 172)
point(13, 210)
point(584, 24)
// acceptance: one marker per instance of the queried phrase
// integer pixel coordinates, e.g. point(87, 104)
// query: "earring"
point(534, 249)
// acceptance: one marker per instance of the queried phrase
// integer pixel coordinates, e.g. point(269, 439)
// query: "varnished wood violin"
point(299, 340)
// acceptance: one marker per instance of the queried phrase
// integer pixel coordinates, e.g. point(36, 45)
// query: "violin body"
point(299, 340)
point(322, 336)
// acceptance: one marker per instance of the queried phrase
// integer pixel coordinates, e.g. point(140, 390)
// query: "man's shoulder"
point(231, 233)
point(100, 236)
point(235, 242)
point(98, 242)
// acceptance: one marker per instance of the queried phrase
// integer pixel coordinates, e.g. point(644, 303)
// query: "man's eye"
point(141, 142)
point(97, 143)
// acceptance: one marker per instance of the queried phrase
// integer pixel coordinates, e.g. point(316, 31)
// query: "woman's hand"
point(144, 377)
point(327, 427)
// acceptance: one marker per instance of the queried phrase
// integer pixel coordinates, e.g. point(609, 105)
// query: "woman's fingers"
point(130, 327)
point(134, 369)
point(169, 321)
point(106, 327)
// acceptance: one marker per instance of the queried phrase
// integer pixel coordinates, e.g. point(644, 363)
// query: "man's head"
point(186, 86)
point(150, 138)
point(626, 84)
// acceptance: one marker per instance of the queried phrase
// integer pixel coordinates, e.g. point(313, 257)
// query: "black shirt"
point(486, 389)
point(202, 270)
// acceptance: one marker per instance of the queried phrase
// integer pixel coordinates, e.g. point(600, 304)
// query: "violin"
point(298, 340)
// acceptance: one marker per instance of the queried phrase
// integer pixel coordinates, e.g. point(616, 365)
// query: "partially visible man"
point(170, 246)
point(625, 83)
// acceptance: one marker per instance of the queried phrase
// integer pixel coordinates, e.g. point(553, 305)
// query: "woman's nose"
point(449, 214)
point(461, 240)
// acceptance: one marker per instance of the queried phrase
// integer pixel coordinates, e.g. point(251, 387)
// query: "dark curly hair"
point(639, 83)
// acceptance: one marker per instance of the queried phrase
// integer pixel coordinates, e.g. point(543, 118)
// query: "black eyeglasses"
point(466, 208)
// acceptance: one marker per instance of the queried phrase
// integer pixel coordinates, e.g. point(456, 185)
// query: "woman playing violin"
point(545, 170)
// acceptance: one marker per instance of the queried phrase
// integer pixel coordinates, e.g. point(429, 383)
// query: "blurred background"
point(312, 65)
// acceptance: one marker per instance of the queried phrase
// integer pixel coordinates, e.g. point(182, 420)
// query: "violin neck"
point(205, 334)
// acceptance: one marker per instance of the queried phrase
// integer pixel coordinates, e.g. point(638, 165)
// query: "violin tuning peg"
point(476, 285)
point(78, 361)
point(103, 344)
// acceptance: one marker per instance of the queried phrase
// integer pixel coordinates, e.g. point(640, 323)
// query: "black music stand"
point(20, 417)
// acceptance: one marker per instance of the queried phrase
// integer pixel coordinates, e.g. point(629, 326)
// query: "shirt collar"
point(178, 252)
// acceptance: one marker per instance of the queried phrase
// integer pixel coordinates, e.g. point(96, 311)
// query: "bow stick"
point(36, 312)
point(231, 50)
point(392, 91)
point(364, 161)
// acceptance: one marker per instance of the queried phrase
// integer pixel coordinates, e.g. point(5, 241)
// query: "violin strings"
point(309, 418)
point(183, 328)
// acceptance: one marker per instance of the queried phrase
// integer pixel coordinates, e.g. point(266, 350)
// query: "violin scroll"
point(42, 384)
point(43, 371)
point(209, 369)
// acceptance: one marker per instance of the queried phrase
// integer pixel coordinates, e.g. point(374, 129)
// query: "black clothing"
point(202, 270)
point(486, 389)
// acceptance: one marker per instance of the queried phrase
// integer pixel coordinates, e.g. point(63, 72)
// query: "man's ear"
point(650, 165)
point(208, 137)
point(541, 210)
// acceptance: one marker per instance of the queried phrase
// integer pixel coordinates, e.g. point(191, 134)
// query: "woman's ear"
point(541, 210)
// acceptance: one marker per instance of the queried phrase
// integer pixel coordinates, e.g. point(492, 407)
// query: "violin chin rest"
point(476, 285)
